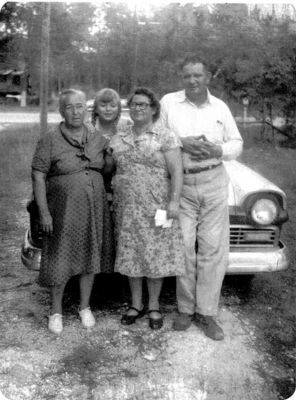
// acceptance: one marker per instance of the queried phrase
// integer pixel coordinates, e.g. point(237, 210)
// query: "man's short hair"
point(193, 59)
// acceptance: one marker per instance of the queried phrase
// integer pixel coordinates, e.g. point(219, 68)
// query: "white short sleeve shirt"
point(213, 119)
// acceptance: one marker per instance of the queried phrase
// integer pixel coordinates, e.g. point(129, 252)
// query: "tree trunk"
point(262, 130)
point(134, 77)
point(44, 67)
point(272, 127)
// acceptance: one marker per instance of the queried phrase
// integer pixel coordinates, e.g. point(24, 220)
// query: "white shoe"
point(87, 318)
point(55, 323)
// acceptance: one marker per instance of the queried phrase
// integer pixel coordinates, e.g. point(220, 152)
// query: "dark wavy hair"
point(154, 102)
point(193, 59)
point(106, 95)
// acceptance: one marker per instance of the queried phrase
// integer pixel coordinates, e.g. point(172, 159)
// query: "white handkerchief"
point(161, 219)
point(158, 222)
point(161, 215)
point(167, 223)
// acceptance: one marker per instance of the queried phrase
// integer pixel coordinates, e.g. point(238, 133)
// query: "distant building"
point(14, 82)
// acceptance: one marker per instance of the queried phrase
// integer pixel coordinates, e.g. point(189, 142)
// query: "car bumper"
point(248, 261)
point(240, 261)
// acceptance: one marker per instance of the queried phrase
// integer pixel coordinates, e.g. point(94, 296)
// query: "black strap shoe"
point(209, 326)
point(131, 319)
point(155, 323)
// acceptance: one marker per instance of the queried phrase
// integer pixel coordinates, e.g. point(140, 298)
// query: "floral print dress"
point(141, 186)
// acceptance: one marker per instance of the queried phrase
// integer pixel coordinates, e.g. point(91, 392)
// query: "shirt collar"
point(154, 130)
point(183, 98)
point(67, 135)
point(128, 137)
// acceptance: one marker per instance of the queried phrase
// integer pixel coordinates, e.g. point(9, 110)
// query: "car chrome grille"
point(250, 236)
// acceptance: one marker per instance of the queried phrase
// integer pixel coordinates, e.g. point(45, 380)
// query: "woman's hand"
point(174, 163)
point(173, 210)
point(39, 188)
point(46, 223)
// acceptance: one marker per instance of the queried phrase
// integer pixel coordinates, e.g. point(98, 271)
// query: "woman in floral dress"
point(148, 177)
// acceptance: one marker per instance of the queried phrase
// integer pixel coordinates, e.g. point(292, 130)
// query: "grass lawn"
point(16, 150)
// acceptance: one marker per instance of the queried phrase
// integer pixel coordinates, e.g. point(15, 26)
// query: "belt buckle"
point(186, 170)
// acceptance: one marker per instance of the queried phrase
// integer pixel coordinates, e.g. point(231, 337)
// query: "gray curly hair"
point(64, 94)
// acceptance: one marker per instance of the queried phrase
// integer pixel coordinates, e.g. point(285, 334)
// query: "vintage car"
point(257, 210)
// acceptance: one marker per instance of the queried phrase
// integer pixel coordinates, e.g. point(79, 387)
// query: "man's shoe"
point(209, 326)
point(182, 321)
point(87, 318)
point(55, 323)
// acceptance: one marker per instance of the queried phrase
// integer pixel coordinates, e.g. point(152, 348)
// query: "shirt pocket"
point(216, 130)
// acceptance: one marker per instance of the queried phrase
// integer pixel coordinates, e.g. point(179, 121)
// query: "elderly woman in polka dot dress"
point(74, 216)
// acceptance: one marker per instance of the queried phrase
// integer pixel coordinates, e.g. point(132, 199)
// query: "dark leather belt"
point(200, 169)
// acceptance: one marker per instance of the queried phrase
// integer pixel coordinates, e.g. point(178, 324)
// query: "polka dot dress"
point(82, 239)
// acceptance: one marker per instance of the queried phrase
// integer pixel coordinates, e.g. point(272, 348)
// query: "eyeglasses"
point(71, 107)
point(142, 106)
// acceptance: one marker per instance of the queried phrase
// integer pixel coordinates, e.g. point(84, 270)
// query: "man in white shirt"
point(209, 135)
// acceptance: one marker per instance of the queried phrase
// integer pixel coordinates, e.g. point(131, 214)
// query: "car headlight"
point(264, 211)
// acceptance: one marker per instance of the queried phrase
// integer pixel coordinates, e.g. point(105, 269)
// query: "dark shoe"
point(155, 323)
point(182, 321)
point(131, 319)
point(209, 326)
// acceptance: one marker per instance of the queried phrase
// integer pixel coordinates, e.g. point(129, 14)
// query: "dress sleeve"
point(170, 140)
point(105, 143)
point(115, 143)
point(42, 156)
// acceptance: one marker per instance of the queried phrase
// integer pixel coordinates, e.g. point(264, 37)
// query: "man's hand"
point(199, 148)
point(46, 223)
point(212, 150)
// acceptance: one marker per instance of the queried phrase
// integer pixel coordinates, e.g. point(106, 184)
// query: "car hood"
point(244, 181)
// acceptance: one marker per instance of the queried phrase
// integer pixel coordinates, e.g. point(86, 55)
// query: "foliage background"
point(250, 53)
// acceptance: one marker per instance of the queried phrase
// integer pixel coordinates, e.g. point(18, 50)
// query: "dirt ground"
point(256, 361)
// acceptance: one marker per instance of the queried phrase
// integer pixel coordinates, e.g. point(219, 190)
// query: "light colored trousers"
point(204, 216)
